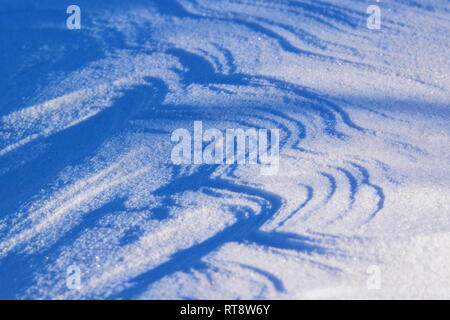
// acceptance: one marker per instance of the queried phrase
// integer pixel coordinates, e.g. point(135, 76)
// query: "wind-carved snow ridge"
point(86, 177)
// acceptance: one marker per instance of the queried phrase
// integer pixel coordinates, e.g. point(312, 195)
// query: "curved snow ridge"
point(65, 207)
point(70, 109)
point(57, 114)
point(355, 151)
point(165, 247)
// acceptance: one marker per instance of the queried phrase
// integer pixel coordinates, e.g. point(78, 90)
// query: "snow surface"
point(86, 177)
